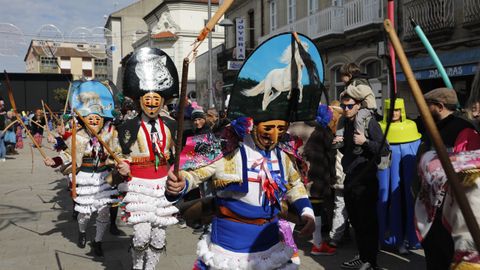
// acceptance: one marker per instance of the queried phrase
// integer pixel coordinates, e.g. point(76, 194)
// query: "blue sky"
point(267, 58)
point(30, 15)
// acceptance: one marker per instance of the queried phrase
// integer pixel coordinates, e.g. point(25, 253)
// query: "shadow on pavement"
point(115, 248)
point(11, 214)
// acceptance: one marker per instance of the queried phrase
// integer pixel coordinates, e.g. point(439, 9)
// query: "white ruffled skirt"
point(218, 258)
point(145, 202)
point(93, 192)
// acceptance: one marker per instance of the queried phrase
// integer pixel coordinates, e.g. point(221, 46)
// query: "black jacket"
point(372, 148)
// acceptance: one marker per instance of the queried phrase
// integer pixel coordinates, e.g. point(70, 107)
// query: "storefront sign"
point(240, 28)
point(234, 65)
point(455, 71)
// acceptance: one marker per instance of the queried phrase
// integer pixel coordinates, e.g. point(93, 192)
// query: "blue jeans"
point(3, 150)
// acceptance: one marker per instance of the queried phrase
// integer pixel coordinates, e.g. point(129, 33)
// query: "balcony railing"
point(471, 12)
point(434, 16)
point(335, 20)
point(359, 13)
point(327, 22)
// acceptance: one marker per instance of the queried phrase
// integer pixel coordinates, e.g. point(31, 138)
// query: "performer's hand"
point(123, 168)
point(337, 139)
point(359, 138)
point(309, 227)
point(49, 162)
point(175, 184)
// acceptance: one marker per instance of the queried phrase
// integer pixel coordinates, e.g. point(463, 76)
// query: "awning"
point(456, 63)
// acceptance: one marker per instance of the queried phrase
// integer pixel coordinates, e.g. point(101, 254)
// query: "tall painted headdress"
point(92, 97)
point(281, 80)
point(150, 70)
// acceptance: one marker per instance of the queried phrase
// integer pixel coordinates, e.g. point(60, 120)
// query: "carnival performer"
point(458, 135)
point(255, 173)
point(146, 142)
point(94, 101)
point(395, 182)
point(467, 166)
point(37, 129)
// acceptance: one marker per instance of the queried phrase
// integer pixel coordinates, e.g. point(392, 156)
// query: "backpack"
point(385, 156)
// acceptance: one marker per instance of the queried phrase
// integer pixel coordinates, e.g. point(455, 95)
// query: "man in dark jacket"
point(361, 183)
point(458, 135)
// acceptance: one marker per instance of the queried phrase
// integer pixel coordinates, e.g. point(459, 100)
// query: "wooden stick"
point(39, 125)
point(52, 114)
point(45, 116)
point(432, 130)
point(14, 107)
point(40, 149)
point(74, 160)
point(9, 125)
point(66, 101)
point(180, 115)
point(31, 152)
point(209, 26)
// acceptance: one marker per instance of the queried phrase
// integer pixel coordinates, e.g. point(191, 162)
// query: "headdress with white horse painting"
point(92, 97)
point(273, 85)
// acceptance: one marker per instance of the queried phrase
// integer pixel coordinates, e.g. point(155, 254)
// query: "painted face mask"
point(151, 104)
point(266, 134)
point(95, 121)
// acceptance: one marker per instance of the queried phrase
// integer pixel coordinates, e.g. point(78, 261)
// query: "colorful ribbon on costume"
point(269, 185)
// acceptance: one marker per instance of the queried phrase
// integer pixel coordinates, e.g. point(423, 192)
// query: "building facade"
point(67, 58)
point(352, 31)
point(343, 30)
point(126, 26)
point(174, 25)
point(452, 27)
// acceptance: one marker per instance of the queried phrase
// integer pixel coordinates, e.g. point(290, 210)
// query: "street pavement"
point(37, 230)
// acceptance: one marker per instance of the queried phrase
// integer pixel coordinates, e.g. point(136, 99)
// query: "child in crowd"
point(358, 87)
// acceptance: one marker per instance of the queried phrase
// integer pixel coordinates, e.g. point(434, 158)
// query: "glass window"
point(100, 62)
point(312, 7)
point(337, 3)
point(291, 11)
point(372, 68)
point(273, 15)
point(48, 61)
point(251, 29)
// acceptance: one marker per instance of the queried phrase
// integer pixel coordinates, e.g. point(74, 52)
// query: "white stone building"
point(174, 25)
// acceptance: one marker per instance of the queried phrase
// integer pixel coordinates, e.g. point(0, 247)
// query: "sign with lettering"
point(240, 28)
point(454, 71)
point(234, 65)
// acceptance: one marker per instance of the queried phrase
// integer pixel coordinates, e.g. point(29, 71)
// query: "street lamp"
point(226, 22)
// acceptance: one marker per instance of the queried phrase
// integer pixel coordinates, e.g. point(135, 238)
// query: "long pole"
point(210, 75)
point(51, 113)
point(432, 53)
point(74, 158)
point(391, 17)
point(14, 107)
point(183, 89)
point(435, 136)
point(45, 116)
point(181, 112)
